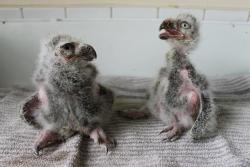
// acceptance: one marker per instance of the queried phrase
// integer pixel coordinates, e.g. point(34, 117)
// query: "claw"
point(114, 143)
point(45, 139)
point(171, 138)
point(110, 145)
point(165, 139)
point(37, 150)
point(102, 139)
point(107, 150)
point(174, 138)
point(166, 129)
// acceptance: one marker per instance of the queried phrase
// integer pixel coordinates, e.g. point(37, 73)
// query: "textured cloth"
point(138, 142)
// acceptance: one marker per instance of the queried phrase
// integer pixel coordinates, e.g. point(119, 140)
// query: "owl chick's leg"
point(100, 137)
point(46, 138)
point(184, 119)
point(28, 109)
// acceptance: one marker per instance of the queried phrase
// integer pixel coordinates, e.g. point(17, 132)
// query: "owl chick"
point(180, 96)
point(68, 98)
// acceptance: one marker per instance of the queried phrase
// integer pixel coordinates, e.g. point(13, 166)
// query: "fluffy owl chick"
point(181, 96)
point(69, 99)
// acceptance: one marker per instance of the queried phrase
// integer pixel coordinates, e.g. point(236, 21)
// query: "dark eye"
point(68, 46)
point(185, 25)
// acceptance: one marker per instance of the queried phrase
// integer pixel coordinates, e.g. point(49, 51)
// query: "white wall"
point(126, 46)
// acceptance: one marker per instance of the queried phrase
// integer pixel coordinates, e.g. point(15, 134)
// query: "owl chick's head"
point(67, 49)
point(181, 32)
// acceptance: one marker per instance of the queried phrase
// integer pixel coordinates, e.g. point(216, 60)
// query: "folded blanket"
point(138, 141)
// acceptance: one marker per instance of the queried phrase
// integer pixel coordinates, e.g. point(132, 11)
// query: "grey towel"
point(138, 141)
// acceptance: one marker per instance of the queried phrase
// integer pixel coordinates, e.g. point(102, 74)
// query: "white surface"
point(173, 12)
point(45, 13)
point(89, 12)
point(133, 12)
point(10, 13)
point(219, 15)
point(124, 47)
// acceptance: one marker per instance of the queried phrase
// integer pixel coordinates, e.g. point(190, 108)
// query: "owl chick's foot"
point(47, 138)
point(174, 132)
point(99, 137)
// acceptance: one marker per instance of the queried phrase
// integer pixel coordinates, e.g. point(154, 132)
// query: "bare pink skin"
point(192, 94)
point(183, 121)
point(42, 95)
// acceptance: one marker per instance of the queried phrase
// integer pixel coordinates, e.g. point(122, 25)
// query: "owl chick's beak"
point(169, 29)
point(88, 53)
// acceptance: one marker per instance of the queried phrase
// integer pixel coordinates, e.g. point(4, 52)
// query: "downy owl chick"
point(180, 96)
point(68, 98)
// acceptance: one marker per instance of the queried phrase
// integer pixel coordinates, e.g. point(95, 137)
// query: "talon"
point(102, 139)
point(37, 150)
point(165, 139)
point(114, 143)
point(107, 150)
point(173, 137)
point(166, 129)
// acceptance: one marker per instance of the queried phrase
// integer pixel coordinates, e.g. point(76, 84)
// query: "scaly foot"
point(174, 132)
point(99, 137)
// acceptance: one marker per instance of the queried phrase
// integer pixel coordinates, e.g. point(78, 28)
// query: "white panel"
point(220, 15)
point(173, 12)
point(88, 12)
point(124, 47)
point(10, 13)
point(44, 13)
point(134, 12)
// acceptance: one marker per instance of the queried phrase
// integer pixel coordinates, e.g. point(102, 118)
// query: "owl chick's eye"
point(68, 46)
point(185, 25)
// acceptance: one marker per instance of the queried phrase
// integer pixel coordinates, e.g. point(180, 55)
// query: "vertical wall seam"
point(204, 14)
point(65, 13)
point(158, 13)
point(111, 12)
point(21, 12)
point(248, 18)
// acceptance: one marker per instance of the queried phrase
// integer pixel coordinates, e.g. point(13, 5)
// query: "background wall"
point(126, 39)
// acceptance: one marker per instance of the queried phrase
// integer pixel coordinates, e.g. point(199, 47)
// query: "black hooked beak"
point(167, 24)
point(88, 52)
point(169, 29)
